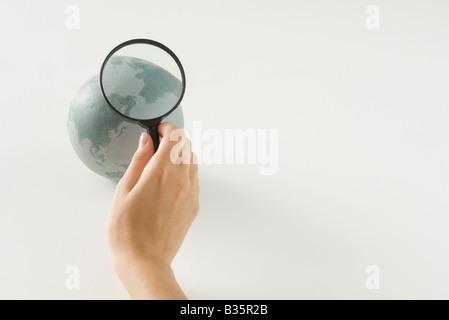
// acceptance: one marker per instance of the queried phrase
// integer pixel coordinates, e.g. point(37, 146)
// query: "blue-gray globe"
point(104, 142)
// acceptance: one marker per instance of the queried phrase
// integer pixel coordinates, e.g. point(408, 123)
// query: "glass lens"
point(142, 81)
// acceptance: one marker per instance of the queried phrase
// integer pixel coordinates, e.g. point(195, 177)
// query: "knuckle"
point(120, 187)
point(169, 127)
point(138, 156)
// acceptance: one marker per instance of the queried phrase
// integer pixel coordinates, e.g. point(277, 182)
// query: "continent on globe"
point(103, 141)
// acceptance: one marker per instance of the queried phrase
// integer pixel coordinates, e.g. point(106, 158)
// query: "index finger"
point(170, 139)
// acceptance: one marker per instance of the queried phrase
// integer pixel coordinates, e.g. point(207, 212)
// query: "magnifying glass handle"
point(154, 133)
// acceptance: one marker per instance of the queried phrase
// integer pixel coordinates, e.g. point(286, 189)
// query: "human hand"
point(154, 205)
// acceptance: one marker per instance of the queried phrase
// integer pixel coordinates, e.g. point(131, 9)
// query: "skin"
point(154, 205)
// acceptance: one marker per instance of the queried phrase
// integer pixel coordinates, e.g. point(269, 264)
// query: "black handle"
point(154, 133)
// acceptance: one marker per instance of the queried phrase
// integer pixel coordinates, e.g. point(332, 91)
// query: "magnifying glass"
point(142, 82)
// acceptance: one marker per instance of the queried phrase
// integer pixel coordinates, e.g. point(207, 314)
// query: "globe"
point(103, 141)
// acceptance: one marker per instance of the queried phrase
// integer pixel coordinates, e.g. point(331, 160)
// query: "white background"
point(362, 115)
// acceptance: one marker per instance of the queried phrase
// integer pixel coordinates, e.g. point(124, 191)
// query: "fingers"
point(174, 151)
point(175, 145)
point(172, 141)
point(193, 165)
point(140, 159)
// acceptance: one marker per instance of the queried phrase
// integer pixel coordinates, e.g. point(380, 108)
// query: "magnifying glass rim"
point(160, 46)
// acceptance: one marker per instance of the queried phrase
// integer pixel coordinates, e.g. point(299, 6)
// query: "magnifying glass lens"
point(142, 81)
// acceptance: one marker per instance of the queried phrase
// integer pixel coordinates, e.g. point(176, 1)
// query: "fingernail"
point(143, 139)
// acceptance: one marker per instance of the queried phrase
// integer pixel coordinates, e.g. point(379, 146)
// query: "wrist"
point(129, 262)
point(148, 279)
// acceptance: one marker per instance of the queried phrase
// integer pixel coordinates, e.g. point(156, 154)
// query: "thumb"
point(140, 159)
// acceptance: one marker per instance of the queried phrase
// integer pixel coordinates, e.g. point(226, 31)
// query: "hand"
point(154, 205)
